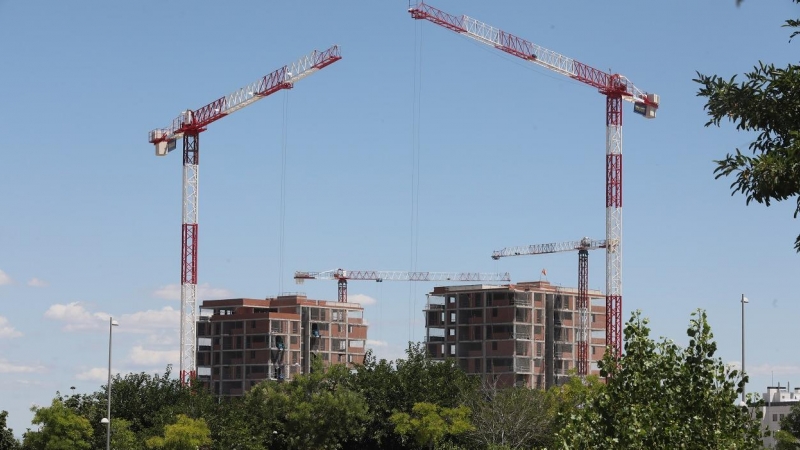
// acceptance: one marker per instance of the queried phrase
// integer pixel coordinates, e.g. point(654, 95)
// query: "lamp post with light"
point(107, 420)
point(744, 300)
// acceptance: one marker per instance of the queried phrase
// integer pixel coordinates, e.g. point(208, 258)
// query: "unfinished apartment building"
point(523, 334)
point(242, 342)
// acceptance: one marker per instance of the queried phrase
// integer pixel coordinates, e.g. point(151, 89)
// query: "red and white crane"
point(188, 125)
point(616, 88)
point(582, 247)
point(342, 276)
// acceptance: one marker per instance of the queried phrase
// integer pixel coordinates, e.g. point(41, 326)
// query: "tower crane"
point(616, 88)
point(188, 125)
point(582, 247)
point(342, 276)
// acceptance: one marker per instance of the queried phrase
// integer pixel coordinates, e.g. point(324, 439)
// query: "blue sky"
point(509, 154)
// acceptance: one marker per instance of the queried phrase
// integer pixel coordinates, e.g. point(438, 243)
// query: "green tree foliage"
point(318, 410)
point(59, 429)
point(512, 417)
point(786, 441)
point(766, 102)
point(142, 404)
point(233, 425)
point(391, 386)
point(185, 434)
point(660, 396)
point(429, 424)
point(152, 401)
point(7, 439)
point(574, 394)
point(789, 435)
point(122, 438)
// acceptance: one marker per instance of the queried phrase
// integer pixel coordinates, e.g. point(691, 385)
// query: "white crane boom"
point(342, 276)
point(538, 249)
point(388, 275)
point(283, 78)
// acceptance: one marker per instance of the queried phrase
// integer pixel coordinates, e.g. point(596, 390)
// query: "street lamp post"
point(744, 300)
point(107, 420)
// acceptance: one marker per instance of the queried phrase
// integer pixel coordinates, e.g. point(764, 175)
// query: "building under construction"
point(244, 341)
point(524, 334)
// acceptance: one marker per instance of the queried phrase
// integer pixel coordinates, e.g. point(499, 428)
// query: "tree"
point(574, 394)
point(391, 386)
point(660, 396)
point(122, 438)
point(147, 403)
point(233, 426)
point(429, 424)
point(7, 439)
point(768, 102)
point(512, 417)
point(185, 434)
point(789, 435)
point(317, 410)
point(150, 402)
point(59, 429)
point(786, 441)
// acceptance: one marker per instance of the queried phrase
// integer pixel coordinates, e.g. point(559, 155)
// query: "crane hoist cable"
point(415, 170)
point(282, 211)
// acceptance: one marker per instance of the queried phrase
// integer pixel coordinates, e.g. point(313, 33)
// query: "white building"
point(778, 402)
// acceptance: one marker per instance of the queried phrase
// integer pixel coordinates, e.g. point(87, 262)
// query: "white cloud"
point(35, 282)
point(375, 343)
point(76, 316)
point(27, 382)
point(141, 357)
point(364, 300)
point(5, 279)
point(772, 369)
point(204, 292)
point(8, 367)
point(389, 352)
point(6, 330)
point(163, 338)
point(141, 321)
point(168, 292)
point(95, 374)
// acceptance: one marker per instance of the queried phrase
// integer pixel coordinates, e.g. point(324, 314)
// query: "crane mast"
point(188, 125)
point(582, 247)
point(616, 88)
point(342, 276)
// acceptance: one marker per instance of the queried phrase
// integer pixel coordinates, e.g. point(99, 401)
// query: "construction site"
point(242, 342)
point(524, 333)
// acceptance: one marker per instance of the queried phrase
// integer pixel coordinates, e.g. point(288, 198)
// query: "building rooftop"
point(522, 285)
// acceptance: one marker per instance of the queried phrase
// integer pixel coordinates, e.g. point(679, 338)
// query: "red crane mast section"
point(582, 247)
point(342, 276)
point(616, 88)
point(188, 125)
